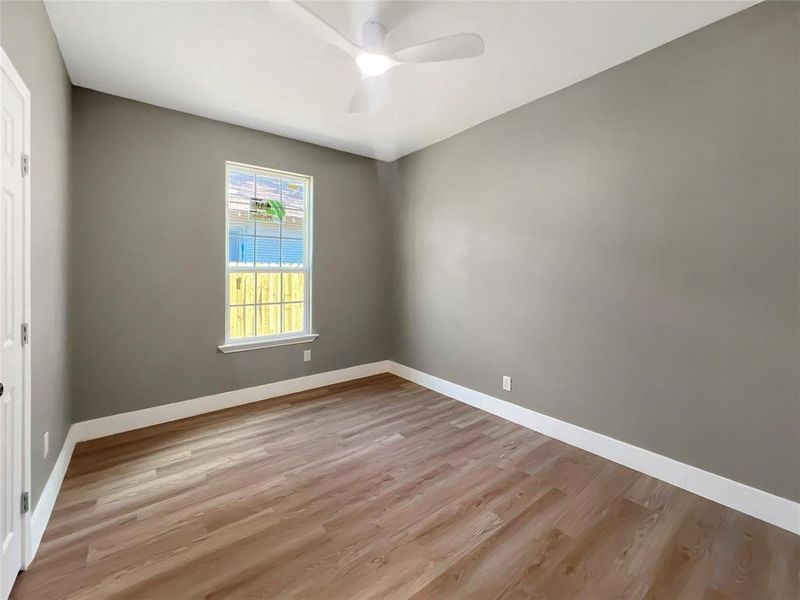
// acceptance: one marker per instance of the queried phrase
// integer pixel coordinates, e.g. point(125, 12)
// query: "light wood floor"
point(382, 489)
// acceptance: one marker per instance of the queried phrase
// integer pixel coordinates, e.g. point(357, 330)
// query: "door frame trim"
point(12, 73)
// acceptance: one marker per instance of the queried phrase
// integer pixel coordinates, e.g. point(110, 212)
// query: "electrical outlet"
point(46, 444)
point(306, 355)
point(506, 383)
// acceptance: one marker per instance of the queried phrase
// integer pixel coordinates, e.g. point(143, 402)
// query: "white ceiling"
point(237, 62)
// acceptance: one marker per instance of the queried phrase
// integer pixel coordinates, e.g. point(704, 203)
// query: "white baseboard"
point(95, 428)
point(749, 500)
point(47, 499)
point(762, 505)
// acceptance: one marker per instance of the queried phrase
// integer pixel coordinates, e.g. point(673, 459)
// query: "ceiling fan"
point(372, 56)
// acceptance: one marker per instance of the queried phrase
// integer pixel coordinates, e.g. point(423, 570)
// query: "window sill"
point(257, 345)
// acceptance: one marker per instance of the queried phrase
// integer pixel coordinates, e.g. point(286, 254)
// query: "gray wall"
point(27, 38)
point(149, 257)
point(627, 250)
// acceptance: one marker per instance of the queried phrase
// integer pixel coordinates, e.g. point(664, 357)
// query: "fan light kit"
point(373, 57)
point(372, 65)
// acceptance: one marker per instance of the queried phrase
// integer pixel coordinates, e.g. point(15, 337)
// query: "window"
point(268, 273)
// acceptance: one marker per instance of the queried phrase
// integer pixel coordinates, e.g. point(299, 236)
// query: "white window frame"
point(307, 335)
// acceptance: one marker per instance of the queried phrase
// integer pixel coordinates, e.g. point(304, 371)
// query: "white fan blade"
point(313, 24)
point(452, 47)
point(371, 93)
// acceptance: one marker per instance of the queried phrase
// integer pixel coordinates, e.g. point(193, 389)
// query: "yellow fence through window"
point(265, 303)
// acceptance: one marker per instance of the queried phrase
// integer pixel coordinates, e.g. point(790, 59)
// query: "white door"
point(12, 211)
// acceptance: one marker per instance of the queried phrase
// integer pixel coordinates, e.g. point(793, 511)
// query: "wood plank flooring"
point(381, 489)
